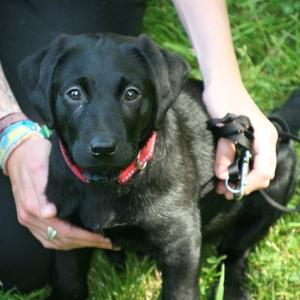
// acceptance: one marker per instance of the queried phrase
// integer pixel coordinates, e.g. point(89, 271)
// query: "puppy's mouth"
point(100, 176)
point(104, 174)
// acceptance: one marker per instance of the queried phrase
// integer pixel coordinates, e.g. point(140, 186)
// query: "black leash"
point(239, 130)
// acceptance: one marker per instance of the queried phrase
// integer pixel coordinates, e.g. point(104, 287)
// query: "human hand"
point(221, 99)
point(28, 171)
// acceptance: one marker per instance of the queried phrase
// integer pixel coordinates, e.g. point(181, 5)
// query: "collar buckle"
point(140, 163)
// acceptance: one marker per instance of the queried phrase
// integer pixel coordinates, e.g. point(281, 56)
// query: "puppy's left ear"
point(168, 71)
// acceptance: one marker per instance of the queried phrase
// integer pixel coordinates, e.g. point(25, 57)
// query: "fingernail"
point(116, 248)
point(107, 241)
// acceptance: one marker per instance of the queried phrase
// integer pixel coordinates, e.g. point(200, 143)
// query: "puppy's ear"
point(168, 71)
point(36, 73)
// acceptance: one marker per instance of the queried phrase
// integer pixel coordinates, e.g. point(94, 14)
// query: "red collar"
point(144, 156)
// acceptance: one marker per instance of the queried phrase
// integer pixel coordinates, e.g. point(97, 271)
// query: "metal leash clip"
point(237, 185)
point(238, 129)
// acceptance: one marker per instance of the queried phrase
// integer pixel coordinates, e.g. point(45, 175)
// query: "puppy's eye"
point(74, 94)
point(131, 94)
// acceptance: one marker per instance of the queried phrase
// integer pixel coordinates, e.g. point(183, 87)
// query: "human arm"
point(8, 103)
point(27, 168)
point(207, 25)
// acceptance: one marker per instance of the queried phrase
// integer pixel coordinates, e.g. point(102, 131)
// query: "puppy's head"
point(103, 94)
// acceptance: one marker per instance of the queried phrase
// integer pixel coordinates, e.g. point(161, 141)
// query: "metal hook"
point(239, 189)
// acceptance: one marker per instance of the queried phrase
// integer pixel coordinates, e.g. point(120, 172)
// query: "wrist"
point(14, 134)
point(224, 85)
point(229, 97)
point(226, 91)
point(3, 113)
point(8, 104)
point(219, 73)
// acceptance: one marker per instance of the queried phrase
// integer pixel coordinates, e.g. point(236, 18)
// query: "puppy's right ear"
point(168, 72)
point(37, 72)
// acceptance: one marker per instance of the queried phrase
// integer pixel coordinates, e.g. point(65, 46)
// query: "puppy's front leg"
point(70, 276)
point(180, 263)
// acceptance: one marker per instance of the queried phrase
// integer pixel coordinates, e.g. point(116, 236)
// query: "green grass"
point(266, 35)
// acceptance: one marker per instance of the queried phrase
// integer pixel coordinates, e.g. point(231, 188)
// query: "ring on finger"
point(51, 233)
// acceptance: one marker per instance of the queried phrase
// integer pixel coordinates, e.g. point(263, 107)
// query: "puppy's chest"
point(102, 210)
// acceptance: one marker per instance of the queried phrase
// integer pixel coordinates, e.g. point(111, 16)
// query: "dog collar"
point(140, 163)
point(125, 175)
point(77, 171)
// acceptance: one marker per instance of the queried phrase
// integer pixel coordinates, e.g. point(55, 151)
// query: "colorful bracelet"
point(15, 135)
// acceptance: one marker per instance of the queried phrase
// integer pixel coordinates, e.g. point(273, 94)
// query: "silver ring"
point(51, 233)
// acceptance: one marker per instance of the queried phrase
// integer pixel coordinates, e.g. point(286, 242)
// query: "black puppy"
point(116, 103)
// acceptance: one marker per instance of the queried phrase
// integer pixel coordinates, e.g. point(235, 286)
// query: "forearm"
point(8, 103)
point(207, 25)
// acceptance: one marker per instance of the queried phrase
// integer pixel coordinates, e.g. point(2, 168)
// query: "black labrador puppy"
point(132, 159)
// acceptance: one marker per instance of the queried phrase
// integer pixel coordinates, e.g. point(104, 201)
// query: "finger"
point(220, 188)
point(265, 159)
point(58, 243)
point(73, 243)
point(261, 174)
point(225, 155)
point(74, 235)
point(54, 244)
point(90, 240)
point(228, 195)
point(68, 237)
point(41, 234)
point(65, 239)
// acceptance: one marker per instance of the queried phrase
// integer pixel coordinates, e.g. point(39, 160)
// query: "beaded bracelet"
point(16, 134)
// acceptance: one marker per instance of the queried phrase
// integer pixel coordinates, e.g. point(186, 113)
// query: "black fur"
point(170, 208)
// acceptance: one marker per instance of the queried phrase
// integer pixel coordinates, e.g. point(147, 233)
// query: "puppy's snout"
point(103, 146)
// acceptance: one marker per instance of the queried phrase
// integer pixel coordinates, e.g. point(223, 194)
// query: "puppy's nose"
point(100, 146)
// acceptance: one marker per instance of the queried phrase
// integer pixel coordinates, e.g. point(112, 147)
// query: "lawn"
point(266, 35)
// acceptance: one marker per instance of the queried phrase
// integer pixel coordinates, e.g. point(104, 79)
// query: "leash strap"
point(239, 130)
point(283, 129)
point(236, 128)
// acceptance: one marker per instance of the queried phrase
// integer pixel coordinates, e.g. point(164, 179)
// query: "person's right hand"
point(233, 97)
point(27, 169)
